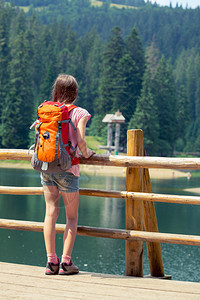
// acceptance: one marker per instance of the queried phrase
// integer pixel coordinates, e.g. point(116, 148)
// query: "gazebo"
point(116, 118)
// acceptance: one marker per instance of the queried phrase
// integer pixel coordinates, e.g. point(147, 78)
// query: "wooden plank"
point(15, 154)
point(134, 209)
point(150, 224)
point(143, 162)
point(117, 160)
point(10, 190)
point(14, 190)
point(38, 272)
point(131, 235)
point(29, 282)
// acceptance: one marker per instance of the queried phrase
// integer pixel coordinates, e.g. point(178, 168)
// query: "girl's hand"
point(89, 153)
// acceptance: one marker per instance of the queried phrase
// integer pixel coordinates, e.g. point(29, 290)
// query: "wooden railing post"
point(150, 224)
point(134, 208)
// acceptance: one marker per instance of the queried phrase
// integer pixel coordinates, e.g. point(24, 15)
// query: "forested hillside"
point(143, 60)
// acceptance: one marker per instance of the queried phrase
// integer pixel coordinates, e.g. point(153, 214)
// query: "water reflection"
point(96, 254)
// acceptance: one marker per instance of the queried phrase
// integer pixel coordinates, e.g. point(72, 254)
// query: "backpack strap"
point(37, 137)
point(71, 147)
point(58, 140)
point(70, 107)
point(68, 121)
point(75, 160)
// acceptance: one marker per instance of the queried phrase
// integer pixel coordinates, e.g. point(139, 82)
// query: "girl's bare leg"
point(71, 202)
point(51, 195)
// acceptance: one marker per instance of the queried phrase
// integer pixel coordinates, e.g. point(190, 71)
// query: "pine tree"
point(146, 116)
point(182, 110)
point(64, 52)
point(17, 112)
point(4, 48)
point(76, 67)
point(112, 54)
point(164, 93)
point(6, 15)
point(92, 75)
point(125, 93)
point(191, 85)
point(152, 57)
point(197, 97)
point(46, 87)
point(47, 54)
point(35, 46)
point(125, 86)
point(187, 74)
point(135, 49)
point(180, 67)
point(197, 90)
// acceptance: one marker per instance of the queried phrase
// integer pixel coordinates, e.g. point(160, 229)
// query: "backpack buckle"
point(59, 125)
point(46, 135)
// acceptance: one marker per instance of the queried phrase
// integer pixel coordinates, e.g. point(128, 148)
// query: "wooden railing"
point(140, 211)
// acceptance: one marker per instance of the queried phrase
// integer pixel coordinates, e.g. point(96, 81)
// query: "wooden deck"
point(29, 282)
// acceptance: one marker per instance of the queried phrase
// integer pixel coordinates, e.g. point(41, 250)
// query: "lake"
point(99, 254)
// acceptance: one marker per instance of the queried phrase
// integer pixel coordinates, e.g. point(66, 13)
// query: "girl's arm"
point(81, 138)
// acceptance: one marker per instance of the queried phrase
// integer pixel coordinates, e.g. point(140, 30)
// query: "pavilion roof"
point(114, 118)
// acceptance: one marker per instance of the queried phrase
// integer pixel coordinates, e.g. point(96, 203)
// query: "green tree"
point(197, 97)
point(92, 74)
point(66, 49)
point(136, 51)
point(46, 55)
point(125, 93)
point(182, 111)
point(125, 86)
point(17, 112)
point(152, 57)
point(146, 116)
point(46, 86)
point(191, 85)
point(112, 54)
point(34, 52)
point(182, 117)
point(6, 15)
point(164, 93)
point(187, 74)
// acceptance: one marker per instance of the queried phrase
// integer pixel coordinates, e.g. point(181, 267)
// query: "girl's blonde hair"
point(65, 89)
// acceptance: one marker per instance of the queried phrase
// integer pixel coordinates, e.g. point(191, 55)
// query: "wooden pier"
point(29, 282)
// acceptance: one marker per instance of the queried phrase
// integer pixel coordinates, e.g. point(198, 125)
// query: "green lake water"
point(97, 254)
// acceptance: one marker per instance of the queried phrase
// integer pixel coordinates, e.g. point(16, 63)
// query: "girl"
point(65, 91)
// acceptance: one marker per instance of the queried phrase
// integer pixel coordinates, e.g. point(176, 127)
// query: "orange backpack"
point(53, 151)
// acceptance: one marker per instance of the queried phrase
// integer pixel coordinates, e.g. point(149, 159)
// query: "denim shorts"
point(66, 181)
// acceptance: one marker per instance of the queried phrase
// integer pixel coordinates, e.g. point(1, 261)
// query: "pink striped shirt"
point(76, 115)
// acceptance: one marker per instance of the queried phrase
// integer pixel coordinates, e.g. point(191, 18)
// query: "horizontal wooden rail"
point(108, 233)
point(9, 190)
point(15, 190)
point(117, 160)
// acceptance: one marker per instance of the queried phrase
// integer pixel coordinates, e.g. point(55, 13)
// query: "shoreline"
point(119, 171)
point(113, 171)
point(193, 190)
point(105, 170)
